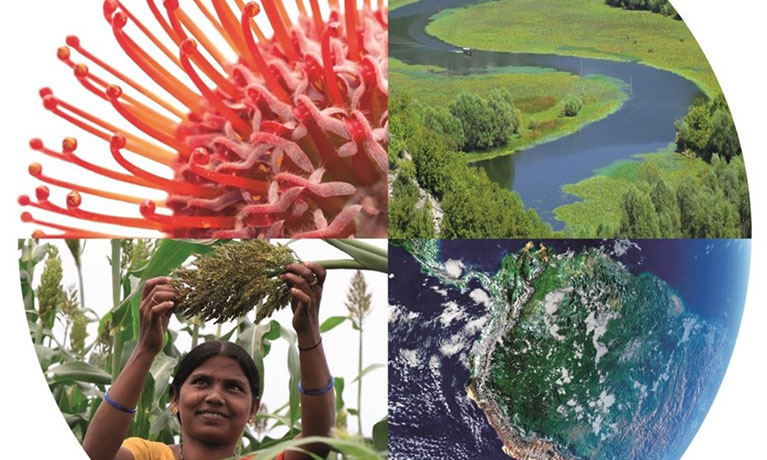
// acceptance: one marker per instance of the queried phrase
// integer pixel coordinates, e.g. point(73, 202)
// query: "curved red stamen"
point(319, 25)
point(70, 145)
point(200, 157)
point(341, 227)
point(251, 10)
point(229, 25)
point(189, 47)
point(279, 29)
point(113, 93)
point(350, 14)
point(149, 34)
point(148, 208)
point(117, 142)
point(36, 171)
point(156, 72)
point(91, 216)
point(172, 8)
point(332, 30)
point(135, 144)
point(70, 232)
point(74, 42)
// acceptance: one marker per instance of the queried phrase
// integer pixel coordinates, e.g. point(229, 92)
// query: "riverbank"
point(538, 93)
point(585, 28)
point(394, 4)
point(601, 195)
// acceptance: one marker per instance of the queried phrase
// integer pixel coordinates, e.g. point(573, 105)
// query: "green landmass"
point(538, 93)
point(582, 359)
point(394, 4)
point(587, 28)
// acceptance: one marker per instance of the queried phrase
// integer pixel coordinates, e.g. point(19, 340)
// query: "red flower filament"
point(288, 141)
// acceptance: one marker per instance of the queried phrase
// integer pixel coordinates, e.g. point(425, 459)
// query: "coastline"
point(516, 282)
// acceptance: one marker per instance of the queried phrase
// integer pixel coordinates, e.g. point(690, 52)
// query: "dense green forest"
point(714, 205)
point(656, 6)
point(422, 158)
point(708, 129)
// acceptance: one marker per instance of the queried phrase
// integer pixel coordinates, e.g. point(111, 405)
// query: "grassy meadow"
point(394, 4)
point(538, 93)
point(602, 193)
point(587, 28)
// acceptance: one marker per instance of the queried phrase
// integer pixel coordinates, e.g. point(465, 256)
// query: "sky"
point(732, 38)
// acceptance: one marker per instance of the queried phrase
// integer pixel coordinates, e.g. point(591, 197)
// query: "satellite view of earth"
point(562, 349)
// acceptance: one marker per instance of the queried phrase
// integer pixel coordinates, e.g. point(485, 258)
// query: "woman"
point(215, 390)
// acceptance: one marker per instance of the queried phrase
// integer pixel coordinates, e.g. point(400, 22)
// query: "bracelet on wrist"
point(319, 392)
point(117, 405)
point(312, 347)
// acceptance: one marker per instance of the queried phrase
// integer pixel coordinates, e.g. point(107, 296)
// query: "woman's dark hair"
point(207, 350)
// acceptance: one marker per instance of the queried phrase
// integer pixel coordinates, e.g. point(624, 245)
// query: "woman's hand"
point(157, 304)
point(306, 282)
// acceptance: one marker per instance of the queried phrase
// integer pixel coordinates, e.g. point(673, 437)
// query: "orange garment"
point(150, 450)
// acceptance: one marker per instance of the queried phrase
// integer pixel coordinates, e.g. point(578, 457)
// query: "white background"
point(732, 34)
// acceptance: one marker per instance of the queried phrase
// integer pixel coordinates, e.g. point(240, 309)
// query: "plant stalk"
point(117, 342)
point(196, 332)
point(343, 264)
point(359, 383)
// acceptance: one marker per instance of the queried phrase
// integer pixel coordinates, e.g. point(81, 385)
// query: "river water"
point(644, 123)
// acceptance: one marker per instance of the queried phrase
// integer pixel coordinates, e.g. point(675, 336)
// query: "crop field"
point(587, 28)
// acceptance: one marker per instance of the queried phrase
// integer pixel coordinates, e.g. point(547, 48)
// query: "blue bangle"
point(321, 391)
point(117, 405)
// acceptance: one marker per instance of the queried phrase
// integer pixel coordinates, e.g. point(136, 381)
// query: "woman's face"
point(215, 401)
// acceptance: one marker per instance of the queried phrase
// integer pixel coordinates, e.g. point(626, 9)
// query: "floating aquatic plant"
point(239, 276)
point(288, 139)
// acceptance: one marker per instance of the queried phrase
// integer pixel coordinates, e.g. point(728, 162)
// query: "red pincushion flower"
point(289, 140)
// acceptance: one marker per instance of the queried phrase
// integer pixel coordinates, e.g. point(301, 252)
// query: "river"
point(643, 124)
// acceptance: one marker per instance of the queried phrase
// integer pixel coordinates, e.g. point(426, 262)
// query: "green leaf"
point(339, 385)
point(161, 370)
point(332, 322)
point(81, 372)
point(352, 449)
point(255, 340)
point(383, 252)
point(381, 434)
point(352, 411)
point(369, 260)
point(368, 369)
point(161, 422)
point(44, 355)
point(171, 254)
point(295, 374)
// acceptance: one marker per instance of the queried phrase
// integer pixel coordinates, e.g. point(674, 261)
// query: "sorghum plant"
point(240, 276)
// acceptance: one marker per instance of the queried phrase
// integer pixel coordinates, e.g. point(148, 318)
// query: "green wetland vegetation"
point(539, 95)
point(693, 188)
point(394, 4)
point(586, 28)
